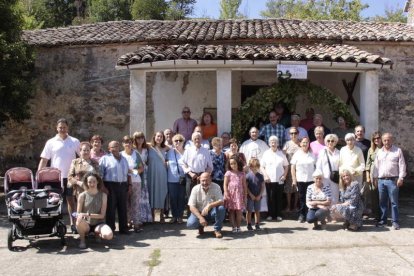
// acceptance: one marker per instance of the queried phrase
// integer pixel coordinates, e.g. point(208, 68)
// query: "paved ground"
point(283, 248)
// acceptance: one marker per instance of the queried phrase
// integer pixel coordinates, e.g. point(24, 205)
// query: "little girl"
point(255, 188)
point(235, 191)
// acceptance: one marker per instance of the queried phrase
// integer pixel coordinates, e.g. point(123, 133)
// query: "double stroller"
point(34, 206)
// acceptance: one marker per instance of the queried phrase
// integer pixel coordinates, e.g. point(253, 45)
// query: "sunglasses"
point(176, 141)
point(375, 138)
point(186, 111)
point(330, 141)
point(293, 133)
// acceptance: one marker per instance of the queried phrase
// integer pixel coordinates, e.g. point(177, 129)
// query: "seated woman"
point(350, 206)
point(318, 200)
point(91, 210)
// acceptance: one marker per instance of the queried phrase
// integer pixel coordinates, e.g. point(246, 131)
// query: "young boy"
point(255, 188)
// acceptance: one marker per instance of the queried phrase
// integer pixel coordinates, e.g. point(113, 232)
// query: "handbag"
point(182, 179)
point(334, 175)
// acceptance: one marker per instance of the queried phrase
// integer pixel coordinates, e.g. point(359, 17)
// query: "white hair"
point(350, 136)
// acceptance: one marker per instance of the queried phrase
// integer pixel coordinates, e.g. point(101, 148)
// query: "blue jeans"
point(388, 189)
point(216, 214)
point(316, 214)
point(176, 193)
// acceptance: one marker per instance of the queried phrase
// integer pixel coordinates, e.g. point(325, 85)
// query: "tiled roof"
point(220, 31)
point(297, 52)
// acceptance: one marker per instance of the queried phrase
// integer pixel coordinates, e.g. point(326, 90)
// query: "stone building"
point(115, 78)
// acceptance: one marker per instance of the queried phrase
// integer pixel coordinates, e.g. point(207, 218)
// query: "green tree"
point(149, 9)
point(229, 9)
point(109, 10)
point(50, 13)
point(315, 9)
point(180, 9)
point(391, 15)
point(16, 65)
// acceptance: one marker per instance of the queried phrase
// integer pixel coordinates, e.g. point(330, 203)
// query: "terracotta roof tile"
point(207, 31)
point(297, 52)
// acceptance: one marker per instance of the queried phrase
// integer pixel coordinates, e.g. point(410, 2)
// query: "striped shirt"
point(312, 194)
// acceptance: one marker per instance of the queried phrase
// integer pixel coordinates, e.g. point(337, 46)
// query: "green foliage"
point(315, 9)
point(180, 9)
point(256, 108)
point(50, 13)
point(16, 65)
point(149, 9)
point(229, 9)
point(391, 15)
point(109, 10)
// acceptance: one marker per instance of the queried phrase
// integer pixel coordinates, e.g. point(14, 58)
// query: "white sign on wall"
point(290, 71)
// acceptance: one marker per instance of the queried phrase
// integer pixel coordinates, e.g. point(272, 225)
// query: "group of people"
point(189, 168)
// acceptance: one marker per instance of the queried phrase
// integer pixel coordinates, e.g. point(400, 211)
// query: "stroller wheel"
point(10, 239)
point(62, 241)
point(61, 230)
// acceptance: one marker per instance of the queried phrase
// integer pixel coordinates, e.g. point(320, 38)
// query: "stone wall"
point(77, 83)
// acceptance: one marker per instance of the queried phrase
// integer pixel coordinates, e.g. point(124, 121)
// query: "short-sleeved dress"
point(235, 200)
point(290, 148)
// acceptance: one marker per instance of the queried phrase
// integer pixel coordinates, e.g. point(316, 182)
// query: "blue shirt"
point(276, 130)
point(254, 182)
point(174, 171)
point(219, 163)
point(112, 169)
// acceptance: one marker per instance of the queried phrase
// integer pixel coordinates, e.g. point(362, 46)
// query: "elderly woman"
point(208, 126)
point(96, 152)
point(302, 167)
point(157, 173)
point(135, 168)
point(350, 206)
point(141, 147)
point(176, 190)
point(291, 146)
point(328, 164)
point(219, 162)
point(376, 144)
point(319, 144)
point(78, 168)
point(274, 168)
point(352, 158)
point(318, 200)
point(91, 210)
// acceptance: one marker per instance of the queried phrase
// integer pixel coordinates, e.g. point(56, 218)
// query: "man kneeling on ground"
point(206, 204)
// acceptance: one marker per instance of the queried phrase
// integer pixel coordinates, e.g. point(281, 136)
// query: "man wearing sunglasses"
point(294, 122)
point(185, 125)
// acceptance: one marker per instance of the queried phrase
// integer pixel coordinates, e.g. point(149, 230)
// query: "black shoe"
point(301, 219)
point(73, 229)
point(257, 227)
point(124, 232)
point(249, 227)
point(381, 224)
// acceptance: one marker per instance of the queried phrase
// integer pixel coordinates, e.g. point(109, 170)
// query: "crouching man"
point(206, 204)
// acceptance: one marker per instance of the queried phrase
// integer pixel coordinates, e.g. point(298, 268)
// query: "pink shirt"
point(316, 147)
point(389, 163)
point(185, 127)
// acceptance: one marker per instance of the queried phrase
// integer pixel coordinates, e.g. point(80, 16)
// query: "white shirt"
point(304, 165)
point(322, 163)
point(204, 143)
point(196, 160)
point(273, 164)
point(352, 160)
point(252, 148)
point(61, 153)
point(302, 133)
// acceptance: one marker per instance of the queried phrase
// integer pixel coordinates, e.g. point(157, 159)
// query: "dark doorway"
point(249, 90)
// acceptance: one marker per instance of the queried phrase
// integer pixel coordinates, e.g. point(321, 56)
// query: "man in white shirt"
point(253, 147)
point(388, 174)
point(195, 161)
point(61, 150)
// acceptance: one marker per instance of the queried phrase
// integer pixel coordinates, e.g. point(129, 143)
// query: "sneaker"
point(269, 218)
point(218, 234)
point(279, 219)
point(301, 219)
point(396, 226)
point(249, 227)
point(381, 223)
point(234, 230)
point(82, 245)
point(257, 227)
point(238, 230)
point(201, 230)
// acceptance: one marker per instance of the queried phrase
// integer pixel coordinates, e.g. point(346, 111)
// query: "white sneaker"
point(269, 218)
point(234, 230)
point(279, 219)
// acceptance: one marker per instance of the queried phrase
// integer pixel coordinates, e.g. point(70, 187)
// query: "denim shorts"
point(253, 206)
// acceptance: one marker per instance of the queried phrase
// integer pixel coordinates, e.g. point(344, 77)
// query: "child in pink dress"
point(235, 191)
